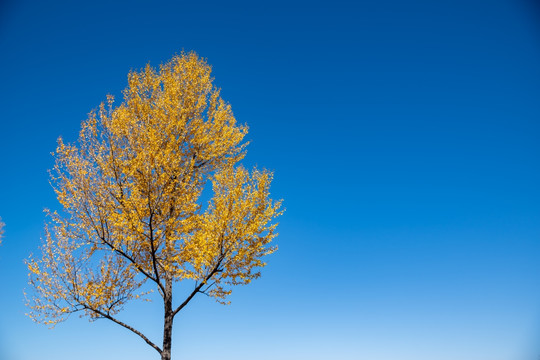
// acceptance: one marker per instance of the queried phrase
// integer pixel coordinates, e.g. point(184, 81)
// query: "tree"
point(133, 204)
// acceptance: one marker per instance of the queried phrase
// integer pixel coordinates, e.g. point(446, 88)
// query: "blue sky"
point(404, 140)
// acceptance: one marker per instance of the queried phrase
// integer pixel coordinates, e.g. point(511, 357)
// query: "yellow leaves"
point(236, 230)
point(33, 267)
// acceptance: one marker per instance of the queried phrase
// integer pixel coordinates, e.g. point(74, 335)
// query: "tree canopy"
point(153, 192)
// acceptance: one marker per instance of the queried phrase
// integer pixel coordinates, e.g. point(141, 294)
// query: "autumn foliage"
point(134, 211)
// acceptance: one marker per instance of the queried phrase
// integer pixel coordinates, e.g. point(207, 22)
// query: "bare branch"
point(107, 316)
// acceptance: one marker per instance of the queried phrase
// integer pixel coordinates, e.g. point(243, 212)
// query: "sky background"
point(404, 137)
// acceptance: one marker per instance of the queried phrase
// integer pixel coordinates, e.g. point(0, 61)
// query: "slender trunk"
point(167, 323)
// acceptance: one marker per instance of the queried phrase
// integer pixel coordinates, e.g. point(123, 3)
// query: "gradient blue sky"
point(404, 136)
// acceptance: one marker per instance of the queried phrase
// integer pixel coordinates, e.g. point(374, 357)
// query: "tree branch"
point(107, 316)
point(153, 252)
point(197, 289)
point(137, 266)
point(102, 237)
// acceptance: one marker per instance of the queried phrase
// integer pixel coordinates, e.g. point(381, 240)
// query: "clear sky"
point(404, 136)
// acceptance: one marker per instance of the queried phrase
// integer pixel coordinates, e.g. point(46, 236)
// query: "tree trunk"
point(167, 323)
